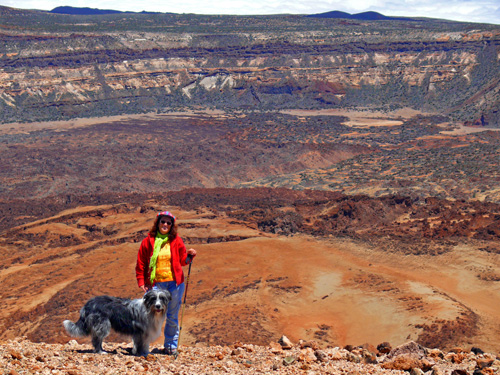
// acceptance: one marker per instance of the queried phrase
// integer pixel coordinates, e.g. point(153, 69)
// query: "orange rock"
point(403, 362)
point(15, 354)
point(307, 355)
point(309, 344)
point(483, 363)
point(275, 347)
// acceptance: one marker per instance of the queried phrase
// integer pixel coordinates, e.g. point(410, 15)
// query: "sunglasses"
point(168, 222)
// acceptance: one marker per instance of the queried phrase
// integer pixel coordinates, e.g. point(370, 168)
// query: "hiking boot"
point(171, 351)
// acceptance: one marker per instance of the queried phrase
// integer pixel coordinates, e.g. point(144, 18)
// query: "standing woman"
point(159, 266)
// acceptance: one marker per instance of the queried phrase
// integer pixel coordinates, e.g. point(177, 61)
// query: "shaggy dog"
point(140, 318)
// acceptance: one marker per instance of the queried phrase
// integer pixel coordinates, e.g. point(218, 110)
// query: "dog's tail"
point(77, 329)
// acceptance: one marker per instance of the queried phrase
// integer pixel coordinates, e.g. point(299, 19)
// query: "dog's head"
point(156, 301)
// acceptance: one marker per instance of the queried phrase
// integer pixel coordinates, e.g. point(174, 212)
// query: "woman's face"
point(165, 224)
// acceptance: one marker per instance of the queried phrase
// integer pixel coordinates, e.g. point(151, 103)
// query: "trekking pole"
point(184, 303)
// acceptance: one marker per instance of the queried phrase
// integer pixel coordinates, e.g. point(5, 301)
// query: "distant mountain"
point(82, 11)
point(89, 11)
point(371, 16)
point(332, 14)
point(365, 16)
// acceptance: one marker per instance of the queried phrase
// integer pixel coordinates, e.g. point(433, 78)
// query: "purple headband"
point(166, 213)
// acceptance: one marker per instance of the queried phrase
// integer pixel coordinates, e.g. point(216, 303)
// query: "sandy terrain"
point(362, 118)
point(463, 130)
point(369, 118)
point(16, 127)
point(361, 295)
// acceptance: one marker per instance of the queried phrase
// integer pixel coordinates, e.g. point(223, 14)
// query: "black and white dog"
point(140, 318)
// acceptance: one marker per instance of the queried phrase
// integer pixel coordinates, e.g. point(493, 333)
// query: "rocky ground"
point(21, 356)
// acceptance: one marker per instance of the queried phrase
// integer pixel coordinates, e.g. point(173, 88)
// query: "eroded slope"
point(367, 279)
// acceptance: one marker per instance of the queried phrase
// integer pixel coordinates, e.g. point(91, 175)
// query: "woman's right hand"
point(144, 288)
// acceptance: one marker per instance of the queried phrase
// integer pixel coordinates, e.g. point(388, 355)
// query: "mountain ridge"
point(93, 11)
point(363, 16)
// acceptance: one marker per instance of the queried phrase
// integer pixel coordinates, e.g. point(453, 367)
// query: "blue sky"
point(487, 11)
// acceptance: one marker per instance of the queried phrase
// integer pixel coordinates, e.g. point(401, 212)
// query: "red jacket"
point(179, 255)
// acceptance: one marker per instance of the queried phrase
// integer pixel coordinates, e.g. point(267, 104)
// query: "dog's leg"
point(100, 329)
point(141, 347)
point(97, 343)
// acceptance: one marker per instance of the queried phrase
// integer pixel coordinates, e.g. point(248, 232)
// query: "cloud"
point(463, 10)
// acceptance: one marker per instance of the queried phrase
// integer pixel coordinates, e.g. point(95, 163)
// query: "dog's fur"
point(140, 318)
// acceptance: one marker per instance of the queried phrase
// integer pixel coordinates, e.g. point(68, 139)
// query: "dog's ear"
point(168, 296)
point(148, 296)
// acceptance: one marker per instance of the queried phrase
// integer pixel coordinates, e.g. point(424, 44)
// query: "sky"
point(487, 11)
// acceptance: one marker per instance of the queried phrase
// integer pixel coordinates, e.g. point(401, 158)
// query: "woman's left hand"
point(191, 252)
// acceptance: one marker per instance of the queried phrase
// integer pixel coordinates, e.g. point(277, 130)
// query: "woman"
point(159, 265)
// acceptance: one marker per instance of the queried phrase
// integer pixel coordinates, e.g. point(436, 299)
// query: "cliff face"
point(49, 72)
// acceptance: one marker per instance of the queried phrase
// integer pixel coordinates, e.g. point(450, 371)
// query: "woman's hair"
point(173, 228)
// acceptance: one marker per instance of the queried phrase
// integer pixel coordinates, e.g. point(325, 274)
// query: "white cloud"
point(459, 10)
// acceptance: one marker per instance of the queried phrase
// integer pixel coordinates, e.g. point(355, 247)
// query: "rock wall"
point(56, 75)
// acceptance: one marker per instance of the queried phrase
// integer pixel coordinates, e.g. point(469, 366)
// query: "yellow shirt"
point(164, 265)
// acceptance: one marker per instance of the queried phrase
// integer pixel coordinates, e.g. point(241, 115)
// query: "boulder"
point(321, 355)
point(482, 363)
point(384, 347)
point(368, 347)
point(455, 357)
point(407, 357)
point(335, 354)
point(403, 362)
point(275, 347)
point(307, 355)
point(476, 351)
point(285, 342)
point(287, 361)
point(309, 344)
point(410, 348)
point(435, 354)
point(416, 371)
